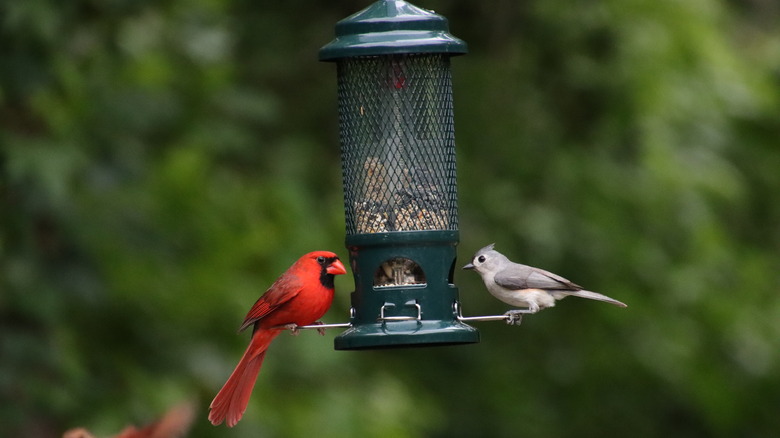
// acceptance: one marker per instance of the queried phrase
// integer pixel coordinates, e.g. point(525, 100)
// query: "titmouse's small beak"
point(469, 266)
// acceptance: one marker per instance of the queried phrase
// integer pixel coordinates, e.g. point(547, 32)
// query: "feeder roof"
point(392, 27)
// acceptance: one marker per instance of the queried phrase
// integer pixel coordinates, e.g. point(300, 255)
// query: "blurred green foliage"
point(162, 162)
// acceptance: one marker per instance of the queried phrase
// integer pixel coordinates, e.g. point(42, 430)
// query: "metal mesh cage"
point(398, 143)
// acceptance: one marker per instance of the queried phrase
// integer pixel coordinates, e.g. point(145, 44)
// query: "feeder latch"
point(410, 303)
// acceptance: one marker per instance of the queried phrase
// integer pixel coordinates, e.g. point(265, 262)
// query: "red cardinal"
point(299, 297)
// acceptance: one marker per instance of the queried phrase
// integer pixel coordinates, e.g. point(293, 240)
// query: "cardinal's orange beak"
point(336, 268)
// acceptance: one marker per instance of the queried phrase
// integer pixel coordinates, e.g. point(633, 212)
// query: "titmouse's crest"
point(487, 248)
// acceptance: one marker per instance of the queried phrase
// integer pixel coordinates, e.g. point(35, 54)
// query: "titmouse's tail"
point(589, 295)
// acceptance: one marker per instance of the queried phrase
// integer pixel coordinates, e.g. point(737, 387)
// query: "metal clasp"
point(410, 303)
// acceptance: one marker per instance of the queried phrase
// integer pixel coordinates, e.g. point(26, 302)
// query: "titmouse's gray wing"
point(517, 276)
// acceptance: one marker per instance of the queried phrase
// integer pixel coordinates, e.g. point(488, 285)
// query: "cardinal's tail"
point(596, 296)
point(231, 401)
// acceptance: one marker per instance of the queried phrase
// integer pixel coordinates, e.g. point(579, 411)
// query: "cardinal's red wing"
point(283, 290)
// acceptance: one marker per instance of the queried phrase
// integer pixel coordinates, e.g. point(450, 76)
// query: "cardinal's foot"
point(293, 328)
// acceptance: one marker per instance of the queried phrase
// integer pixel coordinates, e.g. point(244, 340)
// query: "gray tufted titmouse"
point(525, 286)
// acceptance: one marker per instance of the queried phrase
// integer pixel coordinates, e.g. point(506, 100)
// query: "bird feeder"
point(398, 165)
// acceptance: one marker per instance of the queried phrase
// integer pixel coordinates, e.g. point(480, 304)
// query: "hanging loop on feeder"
point(411, 303)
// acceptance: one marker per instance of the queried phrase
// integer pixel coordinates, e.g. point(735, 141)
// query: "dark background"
point(161, 162)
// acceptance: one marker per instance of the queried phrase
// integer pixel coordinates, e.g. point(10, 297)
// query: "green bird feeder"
point(400, 188)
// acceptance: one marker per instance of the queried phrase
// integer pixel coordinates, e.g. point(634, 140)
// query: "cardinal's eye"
point(321, 260)
point(481, 259)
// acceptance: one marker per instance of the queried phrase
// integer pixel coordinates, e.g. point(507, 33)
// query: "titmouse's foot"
point(515, 317)
point(320, 330)
point(293, 328)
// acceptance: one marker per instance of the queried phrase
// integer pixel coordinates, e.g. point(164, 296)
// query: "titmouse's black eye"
point(481, 259)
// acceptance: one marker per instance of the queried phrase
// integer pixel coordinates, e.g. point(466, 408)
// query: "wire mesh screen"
point(398, 143)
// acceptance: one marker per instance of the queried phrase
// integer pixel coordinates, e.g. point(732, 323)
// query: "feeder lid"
point(391, 27)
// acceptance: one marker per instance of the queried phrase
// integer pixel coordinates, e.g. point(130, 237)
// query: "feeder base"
point(400, 334)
